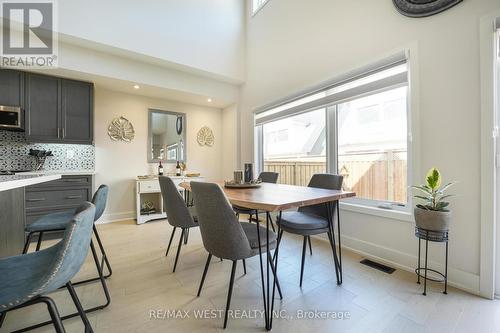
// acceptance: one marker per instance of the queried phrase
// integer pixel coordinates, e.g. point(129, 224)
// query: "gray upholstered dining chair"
point(60, 221)
point(178, 214)
point(311, 220)
point(224, 236)
point(265, 177)
point(26, 279)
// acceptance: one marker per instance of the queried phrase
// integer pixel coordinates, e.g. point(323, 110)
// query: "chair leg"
point(244, 267)
point(304, 245)
point(274, 273)
point(310, 246)
point(76, 300)
point(170, 241)
point(39, 243)
point(2, 318)
point(179, 249)
point(250, 218)
point(186, 236)
point(230, 293)
point(204, 274)
point(27, 244)
point(103, 253)
point(54, 314)
point(101, 278)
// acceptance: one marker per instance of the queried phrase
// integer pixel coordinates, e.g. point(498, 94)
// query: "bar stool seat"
point(19, 275)
point(53, 221)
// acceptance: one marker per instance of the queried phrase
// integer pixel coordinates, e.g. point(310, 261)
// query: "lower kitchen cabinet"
point(61, 195)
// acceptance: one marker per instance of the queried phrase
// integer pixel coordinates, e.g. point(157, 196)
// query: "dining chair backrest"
point(269, 177)
point(99, 200)
point(177, 212)
point(325, 181)
point(220, 229)
point(71, 251)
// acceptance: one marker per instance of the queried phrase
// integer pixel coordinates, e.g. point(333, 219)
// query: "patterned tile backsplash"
point(14, 150)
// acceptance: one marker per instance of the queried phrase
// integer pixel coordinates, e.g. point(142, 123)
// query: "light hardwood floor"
point(143, 282)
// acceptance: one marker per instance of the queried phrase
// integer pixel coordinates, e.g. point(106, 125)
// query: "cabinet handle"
point(74, 197)
point(35, 200)
point(72, 180)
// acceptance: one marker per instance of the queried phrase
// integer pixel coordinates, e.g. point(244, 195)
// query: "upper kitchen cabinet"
point(58, 110)
point(11, 88)
point(77, 111)
point(43, 108)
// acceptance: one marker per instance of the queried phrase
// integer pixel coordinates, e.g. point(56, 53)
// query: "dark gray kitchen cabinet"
point(59, 110)
point(43, 108)
point(77, 111)
point(65, 194)
point(11, 88)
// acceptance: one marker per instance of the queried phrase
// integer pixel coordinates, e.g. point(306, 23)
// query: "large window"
point(356, 127)
point(295, 147)
point(372, 146)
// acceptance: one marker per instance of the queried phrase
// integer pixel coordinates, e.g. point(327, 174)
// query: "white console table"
point(149, 190)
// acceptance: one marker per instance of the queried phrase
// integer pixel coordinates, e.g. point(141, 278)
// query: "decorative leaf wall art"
point(205, 137)
point(121, 129)
point(423, 8)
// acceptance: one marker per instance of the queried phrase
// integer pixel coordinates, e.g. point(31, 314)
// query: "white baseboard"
point(116, 217)
point(457, 278)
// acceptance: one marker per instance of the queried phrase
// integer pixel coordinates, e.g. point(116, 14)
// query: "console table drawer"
point(55, 197)
point(149, 186)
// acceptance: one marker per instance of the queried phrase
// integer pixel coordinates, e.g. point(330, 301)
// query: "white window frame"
point(259, 7)
point(368, 206)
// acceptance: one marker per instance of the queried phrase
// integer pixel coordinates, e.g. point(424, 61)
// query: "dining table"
point(276, 198)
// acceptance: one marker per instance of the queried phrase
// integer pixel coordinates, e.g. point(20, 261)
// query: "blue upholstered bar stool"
point(59, 222)
point(26, 279)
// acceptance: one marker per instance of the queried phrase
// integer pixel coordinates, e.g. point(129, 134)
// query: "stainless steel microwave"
point(11, 118)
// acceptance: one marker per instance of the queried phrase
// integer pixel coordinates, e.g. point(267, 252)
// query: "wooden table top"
point(277, 197)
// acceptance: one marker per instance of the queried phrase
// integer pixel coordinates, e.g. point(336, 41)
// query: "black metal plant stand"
point(432, 236)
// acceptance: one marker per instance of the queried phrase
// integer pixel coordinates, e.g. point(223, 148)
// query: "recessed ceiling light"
point(136, 86)
point(209, 100)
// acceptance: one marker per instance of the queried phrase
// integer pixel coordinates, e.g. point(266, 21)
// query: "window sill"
point(387, 213)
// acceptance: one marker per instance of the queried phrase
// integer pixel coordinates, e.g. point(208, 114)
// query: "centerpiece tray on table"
point(253, 184)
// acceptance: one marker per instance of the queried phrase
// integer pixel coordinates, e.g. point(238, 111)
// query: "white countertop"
point(59, 172)
point(22, 180)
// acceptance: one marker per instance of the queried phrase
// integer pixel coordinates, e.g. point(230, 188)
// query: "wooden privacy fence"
point(379, 176)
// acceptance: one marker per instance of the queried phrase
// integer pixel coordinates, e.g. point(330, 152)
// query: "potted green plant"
point(433, 214)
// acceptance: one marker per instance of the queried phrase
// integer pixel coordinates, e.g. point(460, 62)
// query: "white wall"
point(293, 44)
point(118, 163)
point(203, 34)
point(229, 141)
